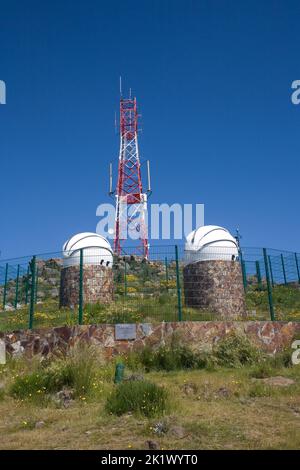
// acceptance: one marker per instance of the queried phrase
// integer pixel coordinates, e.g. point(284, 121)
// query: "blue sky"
point(213, 82)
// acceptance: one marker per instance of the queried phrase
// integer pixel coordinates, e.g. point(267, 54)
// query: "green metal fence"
point(52, 290)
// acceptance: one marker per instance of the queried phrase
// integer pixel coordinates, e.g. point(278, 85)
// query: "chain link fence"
point(89, 287)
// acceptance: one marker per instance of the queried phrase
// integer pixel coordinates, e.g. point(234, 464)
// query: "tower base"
point(97, 285)
point(216, 286)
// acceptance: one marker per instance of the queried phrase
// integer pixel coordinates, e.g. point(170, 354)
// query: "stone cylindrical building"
point(97, 274)
point(216, 286)
point(212, 274)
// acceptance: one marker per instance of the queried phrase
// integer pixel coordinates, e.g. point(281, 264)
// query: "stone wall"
point(271, 337)
point(97, 285)
point(217, 286)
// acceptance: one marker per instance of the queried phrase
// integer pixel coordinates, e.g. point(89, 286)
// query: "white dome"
point(96, 250)
point(210, 242)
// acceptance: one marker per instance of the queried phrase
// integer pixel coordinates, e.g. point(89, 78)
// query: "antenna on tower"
point(120, 85)
point(115, 122)
point(111, 191)
point(149, 190)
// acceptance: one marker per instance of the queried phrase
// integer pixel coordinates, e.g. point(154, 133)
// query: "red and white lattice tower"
point(131, 202)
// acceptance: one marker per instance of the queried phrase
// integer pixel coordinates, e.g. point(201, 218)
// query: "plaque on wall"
point(125, 331)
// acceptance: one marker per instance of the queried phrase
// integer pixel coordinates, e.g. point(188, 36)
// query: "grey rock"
point(189, 388)
point(134, 377)
point(278, 381)
point(9, 308)
point(177, 431)
point(146, 329)
point(17, 348)
point(152, 445)
point(64, 397)
point(160, 428)
point(39, 424)
point(223, 392)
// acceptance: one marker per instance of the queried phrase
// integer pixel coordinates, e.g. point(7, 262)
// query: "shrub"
point(262, 370)
point(166, 358)
point(141, 397)
point(282, 359)
point(30, 385)
point(206, 360)
point(170, 358)
point(131, 290)
point(163, 299)
point(132, 278)
point(174, 356)
point(236, 351)
point(179, 357)
point(76, 370)
point(132, 361)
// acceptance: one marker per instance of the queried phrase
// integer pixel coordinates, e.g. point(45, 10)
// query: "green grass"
point(236, 351)
point(232, 351)
point(286, 300)
point(77, 370)
point(262, 370)
point(149, 301)
point(169, 358)
point(141, 397)
point(130, 310)
point(227, 408)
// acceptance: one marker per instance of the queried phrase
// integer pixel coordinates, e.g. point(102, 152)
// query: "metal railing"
point(52, 290)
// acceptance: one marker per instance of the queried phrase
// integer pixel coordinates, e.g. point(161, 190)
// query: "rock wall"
point(97, 285)
point(217, 286)
point(271, 337)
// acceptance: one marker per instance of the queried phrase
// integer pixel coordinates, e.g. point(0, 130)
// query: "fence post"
point(27, 286)
point(32, 265)
point(271, 270)
point(80, 300)
point(297, 266)
point(269, 286)
point(283, 268)
point(5, 285)
point(36, 284)
point(17, 287)
point(258, 274)
point(119, 373)
point(125, 278)
point(243, 266)
point(167, 272)
point(178, 285)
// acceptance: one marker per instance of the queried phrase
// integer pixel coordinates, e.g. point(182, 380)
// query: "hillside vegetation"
point(172, 398)
point(148, 293)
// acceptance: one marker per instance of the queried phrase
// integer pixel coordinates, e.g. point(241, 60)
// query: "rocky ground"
point(226, 409)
